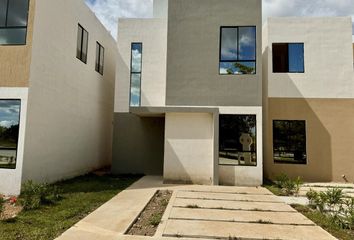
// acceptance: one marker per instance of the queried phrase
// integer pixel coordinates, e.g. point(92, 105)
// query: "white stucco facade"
point(189, 148)
point(327, 57)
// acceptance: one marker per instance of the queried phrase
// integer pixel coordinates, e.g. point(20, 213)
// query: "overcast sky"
point(108, 11)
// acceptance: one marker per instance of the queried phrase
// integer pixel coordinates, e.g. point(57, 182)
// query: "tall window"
point(99, 58)
point(82, 43)
point(289, 141)
point(237, 140)
point(288, 58)
point(135, 74)
point(13, 22)
point(237, 50)
point(9, 129)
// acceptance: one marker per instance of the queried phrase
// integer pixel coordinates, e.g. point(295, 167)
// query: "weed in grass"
point(155, 219)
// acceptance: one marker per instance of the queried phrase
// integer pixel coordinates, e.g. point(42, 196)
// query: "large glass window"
point(99, 58)
point(237, 50)
point(135, 74)
point(237, 140)
point(82, 44)
point(288, 58)
point(13, 21)
point(289, 141)
point(9, 129)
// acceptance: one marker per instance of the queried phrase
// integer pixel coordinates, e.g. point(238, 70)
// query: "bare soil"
point(10, 211)
point(147, 222)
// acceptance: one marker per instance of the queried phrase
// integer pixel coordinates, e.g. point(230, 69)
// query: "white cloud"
point(136, 61)
point(7, 124)
point(108, 11)
point(315, 8)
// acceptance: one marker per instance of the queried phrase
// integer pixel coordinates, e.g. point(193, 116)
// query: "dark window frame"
point(273, 150)
point(255, 143)
point(16, 27)
point(132, 72)
point(19, 128)
point(99, 64)
point(238, 50)
point(288, 67)
point(79, 52)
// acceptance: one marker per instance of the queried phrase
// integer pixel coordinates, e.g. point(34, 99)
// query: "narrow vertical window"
point(135, 74)
point(237, 50)
point(82, 44)
point(99, 58)
point(9, 131)
point(13, 22)
point(288, 58)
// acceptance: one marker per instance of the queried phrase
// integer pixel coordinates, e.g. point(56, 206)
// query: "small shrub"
point(34, 195)
point(287, 185)
point(334, 196)
point(155, 219)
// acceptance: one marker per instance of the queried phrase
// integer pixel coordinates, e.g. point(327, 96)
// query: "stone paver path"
point(199, 212)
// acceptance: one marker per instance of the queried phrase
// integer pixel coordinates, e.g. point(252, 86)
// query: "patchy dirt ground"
point(148, 221)
point(10, 211)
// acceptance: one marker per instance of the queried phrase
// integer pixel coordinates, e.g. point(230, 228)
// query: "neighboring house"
point(56, 91)
point(188, 89)
point(309, 98)
point(192, 86)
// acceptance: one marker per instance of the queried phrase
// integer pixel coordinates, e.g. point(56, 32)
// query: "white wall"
point(244, 175)
point(70, 105)
point(153, 34)
point(328, 57)
point(10, 183)
point(189, 148)
point(160, 8)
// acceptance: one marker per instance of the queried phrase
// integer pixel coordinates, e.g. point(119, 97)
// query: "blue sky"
point(9, 112)
point(108, 11)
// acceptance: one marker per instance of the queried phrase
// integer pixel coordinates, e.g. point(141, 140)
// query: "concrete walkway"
point(199, 212)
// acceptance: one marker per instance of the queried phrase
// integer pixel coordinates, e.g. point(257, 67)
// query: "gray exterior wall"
point(138, 144)
point(193, 53)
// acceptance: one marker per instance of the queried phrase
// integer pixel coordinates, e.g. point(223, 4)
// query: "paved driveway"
point(199, 212)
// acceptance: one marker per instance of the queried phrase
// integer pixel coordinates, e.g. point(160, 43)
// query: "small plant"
point(34, 195)
point(287, 185)
point(155, 219)
point(264, 222)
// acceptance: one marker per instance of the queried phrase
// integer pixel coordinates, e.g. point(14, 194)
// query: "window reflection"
point(289, 141)
point(135, 74)
point(13, 21)
point(237, 140)
point(9, 130)
point(238, 50)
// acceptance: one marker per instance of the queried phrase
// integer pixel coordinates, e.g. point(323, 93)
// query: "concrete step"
point(282, 218)
point(211, 229)
point(222, 204)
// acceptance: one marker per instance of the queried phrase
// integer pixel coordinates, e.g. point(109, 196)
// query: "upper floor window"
point(13, 22)
point(82, 43)
point(135, 74)
point(288, 58)
point(237, 50)
point(99, 58)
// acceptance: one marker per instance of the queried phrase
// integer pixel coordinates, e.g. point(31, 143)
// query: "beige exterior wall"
point(15, 60)
point(189, 148)
point(329, 135)
point(152, 33)
point(70, 105)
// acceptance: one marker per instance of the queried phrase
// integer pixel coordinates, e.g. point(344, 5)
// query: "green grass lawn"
point(81, 196)
point(325, 222)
